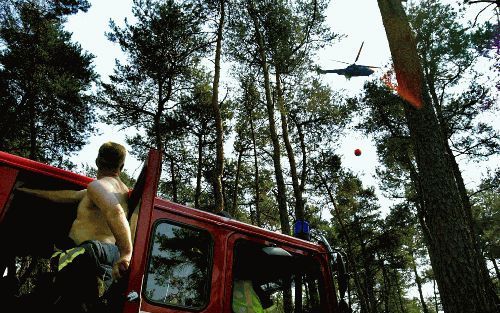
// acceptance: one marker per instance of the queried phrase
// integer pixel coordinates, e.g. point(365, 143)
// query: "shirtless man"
point(102, 212)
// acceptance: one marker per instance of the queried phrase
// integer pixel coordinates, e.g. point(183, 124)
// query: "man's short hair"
point(111, 156)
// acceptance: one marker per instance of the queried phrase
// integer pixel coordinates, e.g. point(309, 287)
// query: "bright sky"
point(359, 20)
point(89, 30)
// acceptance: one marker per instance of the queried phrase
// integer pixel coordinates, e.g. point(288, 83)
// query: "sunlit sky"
point(358, 20)
point(89, 30)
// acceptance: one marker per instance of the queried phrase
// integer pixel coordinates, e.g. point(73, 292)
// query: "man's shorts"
point(84, 272)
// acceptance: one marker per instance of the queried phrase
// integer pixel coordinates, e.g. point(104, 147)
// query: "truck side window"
point(270, 283)
point(179, 266)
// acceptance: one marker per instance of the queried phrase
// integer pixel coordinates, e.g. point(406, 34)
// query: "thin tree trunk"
point(303, 150)
point(350, 254)
point(219, 143)
point(369, 276)
point(33, 134)
point(418, 281)
point(199, 172)
point(386, 289)
point(280, 182)
point(436, 303)
point(174, 180)
point(236, 182)
point(299, 203)
point(256, 180)
point(400, 293)
point(452, 252)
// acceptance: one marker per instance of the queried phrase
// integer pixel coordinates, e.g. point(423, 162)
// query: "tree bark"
point(174, 180)
point(466, 204)
point(278, 172)
point(299, 202)
point(418, 281)
point(256, 165)
point(33, 134)
point(461, 284)
point(236, 182)
point(363, 299)
point(219, 143)
point(199, 172)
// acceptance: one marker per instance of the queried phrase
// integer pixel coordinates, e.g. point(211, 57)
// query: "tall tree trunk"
point(33, 135)
point(236, 182)
point(369, 281)
point(280, 182)
point(303, 150)
point(363, 299)
point(452, 252)
point(386, 289)
point(199, 172)
point(162, 99)
point(418, 281)
point(174, 179)
point(400, 293)
point(256, 179)
point(466, 204)
point(219, 143)
point(436, 303)
point(299, 202)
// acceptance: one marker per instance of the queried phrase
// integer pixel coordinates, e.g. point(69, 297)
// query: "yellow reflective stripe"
point(56, 254)
point(245, 300)
point(248, 294)
point(68, 256)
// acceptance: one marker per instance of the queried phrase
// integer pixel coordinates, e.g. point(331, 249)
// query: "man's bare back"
point(102, 207)
point(90, 222)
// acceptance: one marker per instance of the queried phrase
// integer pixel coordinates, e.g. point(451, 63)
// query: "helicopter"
point(353, 69)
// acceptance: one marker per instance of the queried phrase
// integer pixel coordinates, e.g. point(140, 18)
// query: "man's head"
point(111, 157)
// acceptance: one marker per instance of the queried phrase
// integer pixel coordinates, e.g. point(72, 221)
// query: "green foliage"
point(45, 82)
point(486, 209)
point(162, 49)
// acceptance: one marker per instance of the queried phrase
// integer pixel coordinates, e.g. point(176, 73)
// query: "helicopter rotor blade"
point(340, 61)
point(370, 66)
point(359, 52)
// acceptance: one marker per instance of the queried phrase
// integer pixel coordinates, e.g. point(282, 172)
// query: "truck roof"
point(81, 180)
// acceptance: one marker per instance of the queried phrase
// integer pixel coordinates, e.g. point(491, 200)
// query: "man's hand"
point(120, 268)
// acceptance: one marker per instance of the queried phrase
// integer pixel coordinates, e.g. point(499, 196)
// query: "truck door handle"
point(133, 296)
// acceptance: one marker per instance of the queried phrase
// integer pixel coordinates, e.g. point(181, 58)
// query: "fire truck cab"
point(184, 260)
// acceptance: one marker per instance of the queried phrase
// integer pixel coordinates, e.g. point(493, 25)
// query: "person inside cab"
point(99, 245)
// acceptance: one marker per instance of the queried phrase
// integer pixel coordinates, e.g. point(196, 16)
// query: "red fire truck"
point(184, 260)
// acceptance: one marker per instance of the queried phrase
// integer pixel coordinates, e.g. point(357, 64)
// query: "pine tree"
point(45, 82)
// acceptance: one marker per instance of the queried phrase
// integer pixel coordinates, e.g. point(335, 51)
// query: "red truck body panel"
point(224, 232)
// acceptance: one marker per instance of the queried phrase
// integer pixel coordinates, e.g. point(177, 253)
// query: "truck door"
point(8, 179)
point(265, 275)
point(185, 263)
point(178, 259)
point(143, 196)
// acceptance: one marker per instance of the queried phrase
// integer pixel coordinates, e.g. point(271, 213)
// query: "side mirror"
point(276, 251)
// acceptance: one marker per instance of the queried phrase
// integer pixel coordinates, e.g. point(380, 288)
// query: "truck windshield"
point(275, 283)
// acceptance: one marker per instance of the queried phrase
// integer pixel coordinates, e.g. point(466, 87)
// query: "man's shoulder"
point(110, 182)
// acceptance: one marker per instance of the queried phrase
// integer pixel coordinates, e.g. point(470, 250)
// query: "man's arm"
point(133, 223)
point(102, 195)
point(60, 196)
